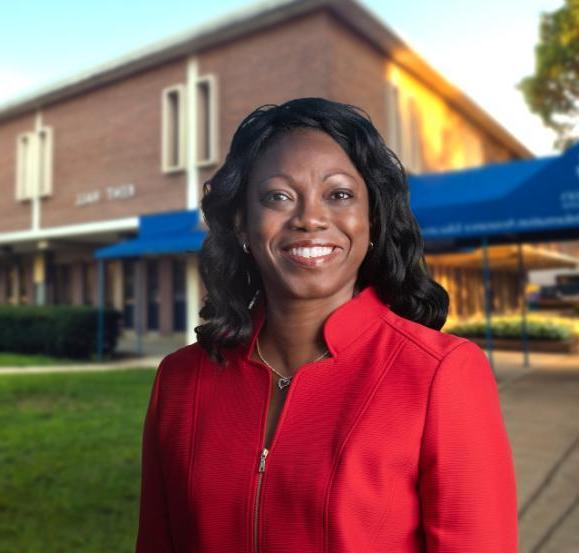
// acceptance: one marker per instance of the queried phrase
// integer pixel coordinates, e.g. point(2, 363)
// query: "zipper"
point(262, 456)
point(260, 472)
point(261, 469)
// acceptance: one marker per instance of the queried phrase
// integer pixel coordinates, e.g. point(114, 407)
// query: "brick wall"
point(271, 66)
point(109, 137)
point(15, 215)
point(357, 73)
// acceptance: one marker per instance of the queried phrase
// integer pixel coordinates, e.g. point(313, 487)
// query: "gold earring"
point(371, 244)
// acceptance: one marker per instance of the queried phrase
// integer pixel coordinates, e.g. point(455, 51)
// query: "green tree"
point(553, 90)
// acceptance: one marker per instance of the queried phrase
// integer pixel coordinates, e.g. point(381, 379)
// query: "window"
point(129, 270)
point(173, 137)
point(25, 166)
point(176, 122)
point(63, 288)
point(86, 297)
point(153, 298)
point(206, 120)
point(22, 282)
point(34, 153)
point(8, 284)
point(403, 127)
point(12, 285)
point(413, 143)
point(179, 295)
point(393, 124)
point(45, 162)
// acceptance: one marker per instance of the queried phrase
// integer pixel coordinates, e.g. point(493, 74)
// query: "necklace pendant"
point(283, 382)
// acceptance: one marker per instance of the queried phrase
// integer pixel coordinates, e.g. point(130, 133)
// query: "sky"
point(484, 47)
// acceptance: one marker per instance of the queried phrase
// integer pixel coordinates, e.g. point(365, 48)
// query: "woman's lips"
point(311, 261)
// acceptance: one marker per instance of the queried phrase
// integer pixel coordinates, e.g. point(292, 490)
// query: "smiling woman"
point(306, 208)
point(322, 409)
point(310, 171)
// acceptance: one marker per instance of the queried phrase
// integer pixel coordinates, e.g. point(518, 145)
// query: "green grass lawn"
point(70, 460)
point(22, 360)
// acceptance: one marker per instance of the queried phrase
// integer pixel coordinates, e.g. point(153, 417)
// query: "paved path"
point(540, 405)
point(541, 410)
point(130, 363)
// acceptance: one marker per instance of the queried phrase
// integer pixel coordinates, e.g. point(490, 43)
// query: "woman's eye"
point(346, 195)
point(273, 195)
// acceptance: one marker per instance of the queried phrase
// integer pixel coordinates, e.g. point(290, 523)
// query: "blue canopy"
point(160, 233)
point(516, 198)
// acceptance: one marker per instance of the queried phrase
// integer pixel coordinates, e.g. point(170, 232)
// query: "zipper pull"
point(262, 459)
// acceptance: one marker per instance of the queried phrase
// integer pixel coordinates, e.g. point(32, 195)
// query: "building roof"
point(258, 16)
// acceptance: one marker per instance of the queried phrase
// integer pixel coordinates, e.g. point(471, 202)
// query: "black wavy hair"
point(395, 266)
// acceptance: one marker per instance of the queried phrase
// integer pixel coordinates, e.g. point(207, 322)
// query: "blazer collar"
point(342, 327)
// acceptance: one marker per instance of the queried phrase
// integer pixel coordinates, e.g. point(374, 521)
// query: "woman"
point(322, 410)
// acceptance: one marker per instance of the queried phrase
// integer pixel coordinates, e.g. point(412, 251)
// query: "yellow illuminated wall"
point(449, 141)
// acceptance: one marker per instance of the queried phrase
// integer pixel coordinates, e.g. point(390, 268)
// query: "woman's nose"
point(309, 214)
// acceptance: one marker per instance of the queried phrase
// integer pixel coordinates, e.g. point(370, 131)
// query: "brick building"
point(82, 160)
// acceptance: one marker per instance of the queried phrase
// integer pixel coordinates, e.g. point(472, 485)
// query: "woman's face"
point(307, 221)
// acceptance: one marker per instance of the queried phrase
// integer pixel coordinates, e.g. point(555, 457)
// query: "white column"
point(192, 277)
point(117, 284)
point(192, 283)
point(192, 103)
point(39, 279)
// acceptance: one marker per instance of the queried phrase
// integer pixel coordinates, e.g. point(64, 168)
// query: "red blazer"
point(394, 444)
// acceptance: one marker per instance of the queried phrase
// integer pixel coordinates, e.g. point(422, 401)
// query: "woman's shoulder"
point(184, 355)
point(433, 343)
point(177, 378)
point(181, 365)
point(187, 361)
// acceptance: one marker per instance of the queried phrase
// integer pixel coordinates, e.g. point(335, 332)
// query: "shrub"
point(56, 330)
point(538, 328)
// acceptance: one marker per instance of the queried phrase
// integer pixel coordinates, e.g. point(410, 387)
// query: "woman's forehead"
point(301, 150)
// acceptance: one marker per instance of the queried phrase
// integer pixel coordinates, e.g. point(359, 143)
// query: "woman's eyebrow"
point(326, 176)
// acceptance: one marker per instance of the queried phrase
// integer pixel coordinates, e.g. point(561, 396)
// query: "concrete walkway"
point(540, 405)
point(153, 349)
point(126, 363)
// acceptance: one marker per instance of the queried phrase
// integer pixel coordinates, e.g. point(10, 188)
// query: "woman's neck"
point(292, 333)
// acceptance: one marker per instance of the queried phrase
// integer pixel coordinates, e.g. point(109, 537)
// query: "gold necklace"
point(284, 381)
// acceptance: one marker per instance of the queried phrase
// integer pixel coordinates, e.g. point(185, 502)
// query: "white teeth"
point(317, 251)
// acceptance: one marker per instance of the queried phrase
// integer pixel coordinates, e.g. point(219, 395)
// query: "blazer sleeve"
point(467, 483)
point(154, 530)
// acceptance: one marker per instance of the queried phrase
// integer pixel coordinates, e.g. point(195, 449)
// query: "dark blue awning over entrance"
point(518, 198)
point(160, 233)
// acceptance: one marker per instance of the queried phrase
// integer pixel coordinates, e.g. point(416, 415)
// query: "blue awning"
point(539, 196)
point(160, 233)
